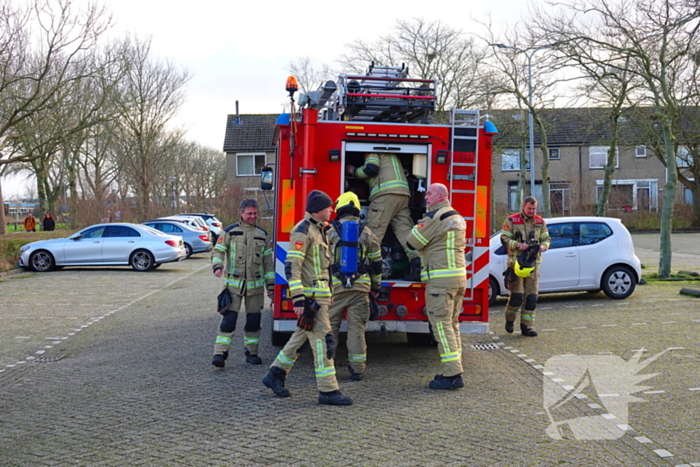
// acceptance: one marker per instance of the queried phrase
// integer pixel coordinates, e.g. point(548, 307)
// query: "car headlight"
point(25, 248)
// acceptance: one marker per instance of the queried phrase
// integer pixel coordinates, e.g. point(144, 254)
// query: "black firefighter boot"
point(219, 360)
point(274, 379)
point(414, 271)
point(447, 382)
point(333, 398)
point(252, 358)
point(528, 332)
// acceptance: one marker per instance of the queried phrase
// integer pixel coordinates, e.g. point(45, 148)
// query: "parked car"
point(196, 241)
point(193, 221)
point(586, 254)
point(114, 244)
point(215, 225)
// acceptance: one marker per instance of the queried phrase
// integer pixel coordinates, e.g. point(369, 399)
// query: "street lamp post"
point(172, 193)
point(529, 53)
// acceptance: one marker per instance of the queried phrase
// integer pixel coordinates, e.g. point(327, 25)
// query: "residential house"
point(248, 147)
point(578, 141)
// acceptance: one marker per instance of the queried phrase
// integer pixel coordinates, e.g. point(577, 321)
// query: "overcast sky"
point(241, 49)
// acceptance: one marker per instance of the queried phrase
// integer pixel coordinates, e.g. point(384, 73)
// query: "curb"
point(690, 292)
point(11, 272)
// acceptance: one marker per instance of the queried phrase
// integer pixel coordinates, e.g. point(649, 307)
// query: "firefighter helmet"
point(526, 261)
point(347, 199)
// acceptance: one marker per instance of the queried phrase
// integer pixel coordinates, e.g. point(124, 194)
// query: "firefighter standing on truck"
point(307, 270)
point(526, 237)
point(388, 201)
point(243, 256)
point(439, 236)
point(352, 291)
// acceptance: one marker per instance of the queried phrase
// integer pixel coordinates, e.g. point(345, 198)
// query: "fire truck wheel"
point(279, 339)
point(419, 339)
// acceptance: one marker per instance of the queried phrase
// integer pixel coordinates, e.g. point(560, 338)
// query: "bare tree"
point(44, 45)
point(655, 40)
point(531, 84)
point(309, 74)
point(148, 98)
point(432, 50)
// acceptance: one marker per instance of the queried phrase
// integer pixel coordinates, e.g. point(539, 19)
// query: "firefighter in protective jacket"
point(352, 293)
point(388, 201)
point(307, 270)
point(522, 232)
point(243, 257)
point(439, 236)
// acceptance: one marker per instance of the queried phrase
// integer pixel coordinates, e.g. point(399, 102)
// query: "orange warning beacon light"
point(292, 86)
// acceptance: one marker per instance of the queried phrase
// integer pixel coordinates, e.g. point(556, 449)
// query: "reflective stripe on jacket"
point(307, 262)
point(390, 179)
point(439, 237)
point(369, 252)
point(519, 222)
point(245, 255)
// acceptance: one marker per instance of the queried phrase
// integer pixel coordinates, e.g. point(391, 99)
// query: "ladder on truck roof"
point(464, 191)
point(382, 94)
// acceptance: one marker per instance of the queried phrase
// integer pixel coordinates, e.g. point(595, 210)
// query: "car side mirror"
point(75, 237)
point(266, 178)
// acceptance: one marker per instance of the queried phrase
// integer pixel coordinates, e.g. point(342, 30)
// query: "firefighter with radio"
point(307, 270)
point(356, 272)
point(388, 201)
point(440, 237)
point(243, 257)
point(525, 236)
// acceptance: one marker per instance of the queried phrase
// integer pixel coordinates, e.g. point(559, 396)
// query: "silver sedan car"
point(196, 241)
point(116, 244)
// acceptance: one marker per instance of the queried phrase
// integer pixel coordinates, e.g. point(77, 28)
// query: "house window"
point(510, 160)
point(249, 164)
point(554, 154)
point(629, 195)
point(598, 157)
point(640, 151)
point(683, 156)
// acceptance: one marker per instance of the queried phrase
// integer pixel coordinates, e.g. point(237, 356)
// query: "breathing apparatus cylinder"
point(348, 250)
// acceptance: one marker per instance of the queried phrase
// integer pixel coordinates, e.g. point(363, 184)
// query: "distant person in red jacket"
point(30, 223)
point(48, 223)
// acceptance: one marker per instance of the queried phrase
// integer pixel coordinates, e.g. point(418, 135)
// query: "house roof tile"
point(252, 132)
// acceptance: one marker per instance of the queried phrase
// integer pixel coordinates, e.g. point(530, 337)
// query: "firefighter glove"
point(308, 317)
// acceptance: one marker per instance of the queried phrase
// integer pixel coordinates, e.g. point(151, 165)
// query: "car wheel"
point(41, 261)
point(618, 282)
point(494, 290)
point(188, 250)
point(141, 260)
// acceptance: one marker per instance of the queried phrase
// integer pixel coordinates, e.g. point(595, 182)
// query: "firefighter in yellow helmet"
point(439, 236)
point(388, 201)
point(351, 291)
point(306, 268)
point(525, 236)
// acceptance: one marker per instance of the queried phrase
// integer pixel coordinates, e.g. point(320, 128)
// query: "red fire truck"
point(383, 111)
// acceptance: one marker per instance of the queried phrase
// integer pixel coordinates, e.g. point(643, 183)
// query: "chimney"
point(237, 120)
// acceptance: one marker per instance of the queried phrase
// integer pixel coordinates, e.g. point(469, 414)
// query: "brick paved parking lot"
point(107, 366)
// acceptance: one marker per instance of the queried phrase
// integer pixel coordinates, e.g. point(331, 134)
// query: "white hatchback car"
point(586, 254)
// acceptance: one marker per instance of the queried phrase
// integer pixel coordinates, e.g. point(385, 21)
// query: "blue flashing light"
point(490, 128)
point(282, 120)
